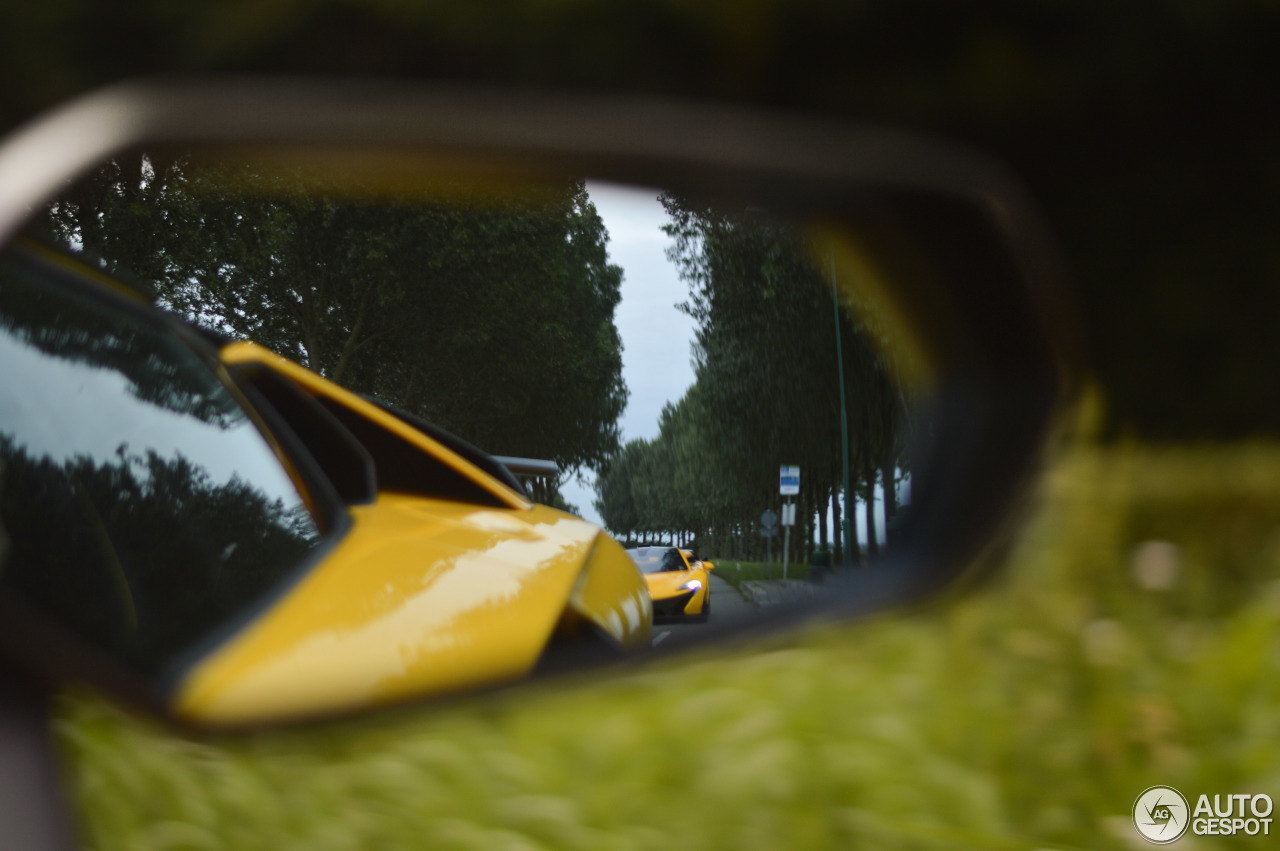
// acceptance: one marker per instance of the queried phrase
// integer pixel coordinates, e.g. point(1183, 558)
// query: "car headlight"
point(694, 585)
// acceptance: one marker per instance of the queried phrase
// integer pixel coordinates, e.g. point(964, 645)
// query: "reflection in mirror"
point(707, 377)
point(139, 503)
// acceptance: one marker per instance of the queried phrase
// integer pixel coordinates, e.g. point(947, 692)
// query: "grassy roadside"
point(736, 572)
point(1132, 639)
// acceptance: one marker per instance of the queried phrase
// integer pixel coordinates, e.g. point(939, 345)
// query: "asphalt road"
point(727, 608)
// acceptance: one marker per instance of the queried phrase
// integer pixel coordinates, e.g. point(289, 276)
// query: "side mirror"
point(234, 526)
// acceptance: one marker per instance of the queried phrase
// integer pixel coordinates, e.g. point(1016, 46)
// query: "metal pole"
point(768, 542)
point(844, 420)
point(786, 537)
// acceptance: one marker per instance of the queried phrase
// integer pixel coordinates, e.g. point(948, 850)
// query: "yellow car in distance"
point(233, 539)
point(678, 582)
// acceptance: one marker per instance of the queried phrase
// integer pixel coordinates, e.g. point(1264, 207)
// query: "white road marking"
point(661, 636)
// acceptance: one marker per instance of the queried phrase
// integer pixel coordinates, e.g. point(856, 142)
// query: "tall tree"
point(767, 389)
point(491, 315)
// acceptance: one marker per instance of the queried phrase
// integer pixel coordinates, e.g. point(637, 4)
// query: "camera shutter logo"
point(1161, 815)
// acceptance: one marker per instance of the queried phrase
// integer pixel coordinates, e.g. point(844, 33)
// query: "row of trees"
point(767, 392)
point(489, 314)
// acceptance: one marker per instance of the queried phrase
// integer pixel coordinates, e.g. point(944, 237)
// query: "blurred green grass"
point(736, 572)
point(1131, 640)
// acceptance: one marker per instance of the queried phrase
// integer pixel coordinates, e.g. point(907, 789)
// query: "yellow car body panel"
point(420, 596)
point(611, 577)
point(692, 561)
point(247, 352)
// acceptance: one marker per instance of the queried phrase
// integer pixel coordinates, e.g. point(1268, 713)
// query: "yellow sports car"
point(245, 541)
point(678, 582)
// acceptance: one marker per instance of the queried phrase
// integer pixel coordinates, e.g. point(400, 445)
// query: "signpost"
point(769, 529)
point(788, 485)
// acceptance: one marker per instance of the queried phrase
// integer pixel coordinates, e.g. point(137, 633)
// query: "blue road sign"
point(788, 480)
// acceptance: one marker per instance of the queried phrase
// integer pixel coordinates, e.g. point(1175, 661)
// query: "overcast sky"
point(656, 337)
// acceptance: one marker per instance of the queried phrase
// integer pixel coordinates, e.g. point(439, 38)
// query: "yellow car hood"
point(421, 596)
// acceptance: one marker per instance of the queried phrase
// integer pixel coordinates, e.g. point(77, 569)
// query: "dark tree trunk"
point(837, 530)
point(869, 499)
point(822, 522)
point(888, 479)
point(809, 521)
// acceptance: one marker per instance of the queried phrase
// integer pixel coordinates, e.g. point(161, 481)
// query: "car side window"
point(140, 506)
point(671, 560)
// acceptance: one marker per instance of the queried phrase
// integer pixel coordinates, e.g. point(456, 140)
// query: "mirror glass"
point(121, 457)
point(710, 377)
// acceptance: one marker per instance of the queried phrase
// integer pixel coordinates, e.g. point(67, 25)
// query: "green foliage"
point(491, 317)
point(736, 572)
point(615, 500)
point(1025, 715)
point(767, 389)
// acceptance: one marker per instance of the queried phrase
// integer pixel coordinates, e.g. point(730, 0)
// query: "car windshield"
point(656, 559)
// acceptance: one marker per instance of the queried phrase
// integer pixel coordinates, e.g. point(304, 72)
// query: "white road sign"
point(788, 480)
